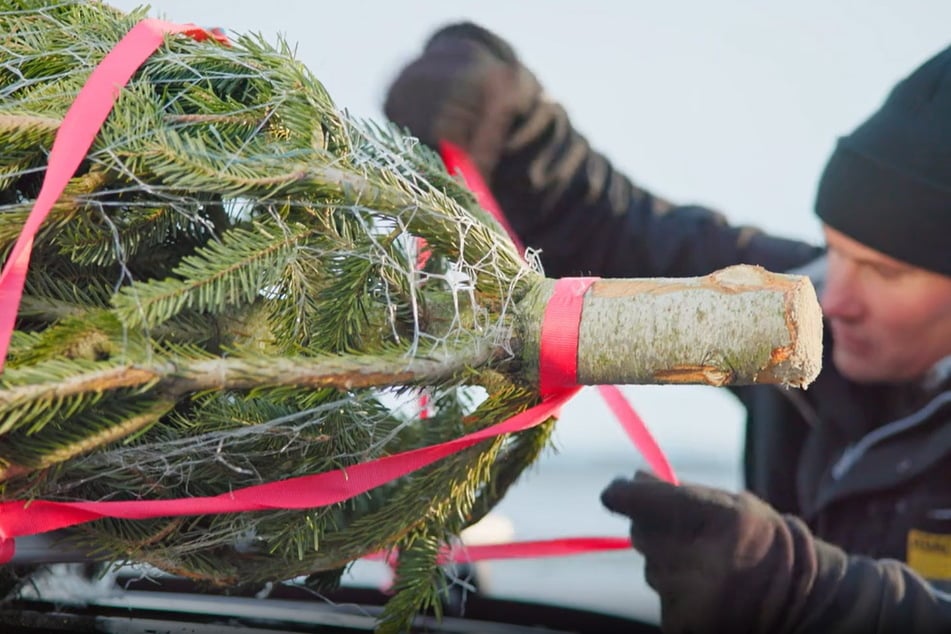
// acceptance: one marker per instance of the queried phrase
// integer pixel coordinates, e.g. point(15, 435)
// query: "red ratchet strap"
point(560, 372)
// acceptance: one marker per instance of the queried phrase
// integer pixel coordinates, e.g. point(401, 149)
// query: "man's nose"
point(841, 293)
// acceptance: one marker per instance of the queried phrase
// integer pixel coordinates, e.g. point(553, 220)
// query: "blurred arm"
point(468, 87)
point(568, 200)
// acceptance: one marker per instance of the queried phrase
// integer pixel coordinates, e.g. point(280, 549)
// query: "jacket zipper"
point(855, 451)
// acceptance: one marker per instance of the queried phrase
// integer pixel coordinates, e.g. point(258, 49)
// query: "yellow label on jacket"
point(929, 554)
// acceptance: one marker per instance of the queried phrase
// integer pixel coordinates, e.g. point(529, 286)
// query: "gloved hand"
point(719, 562)
point(467, 87)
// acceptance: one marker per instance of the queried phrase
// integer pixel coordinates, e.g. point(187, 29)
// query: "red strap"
point(458, 162)
point(538, 548)
point(75, 136)
point(19, 518)
point(560, 547)
point(73, 139)
point(637, 431)
point(558, 356)
point(560, 369)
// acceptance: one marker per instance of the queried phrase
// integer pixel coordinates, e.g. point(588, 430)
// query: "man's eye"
point(888, 271)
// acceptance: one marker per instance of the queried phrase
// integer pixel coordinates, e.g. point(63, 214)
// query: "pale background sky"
point(734, 104)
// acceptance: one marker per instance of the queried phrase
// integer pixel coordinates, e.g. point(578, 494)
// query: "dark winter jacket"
point(867, 467)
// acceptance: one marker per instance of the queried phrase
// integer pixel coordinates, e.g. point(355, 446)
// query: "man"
point(863, 457)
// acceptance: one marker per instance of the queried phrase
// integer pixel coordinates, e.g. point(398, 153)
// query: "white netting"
point(241, 285)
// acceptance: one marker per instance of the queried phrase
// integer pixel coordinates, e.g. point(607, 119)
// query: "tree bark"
point(737, 326)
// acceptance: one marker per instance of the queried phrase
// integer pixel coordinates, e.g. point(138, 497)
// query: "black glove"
point(467, 87)
point(719, 562)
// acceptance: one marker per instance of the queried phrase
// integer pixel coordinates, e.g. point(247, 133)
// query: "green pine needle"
point(229, 292)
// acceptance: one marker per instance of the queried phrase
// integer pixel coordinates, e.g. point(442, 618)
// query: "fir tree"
point(228, 294)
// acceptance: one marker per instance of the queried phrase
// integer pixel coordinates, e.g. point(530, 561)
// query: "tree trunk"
point(740, 325)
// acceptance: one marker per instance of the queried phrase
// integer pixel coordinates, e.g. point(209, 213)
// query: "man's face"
point(890, 321)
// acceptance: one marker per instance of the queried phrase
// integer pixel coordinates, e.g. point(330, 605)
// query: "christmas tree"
point(242, 285)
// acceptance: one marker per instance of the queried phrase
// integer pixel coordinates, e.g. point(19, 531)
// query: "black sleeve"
point(774, 435)
point(567, 200)
point(725, 562)
point(859, 594)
